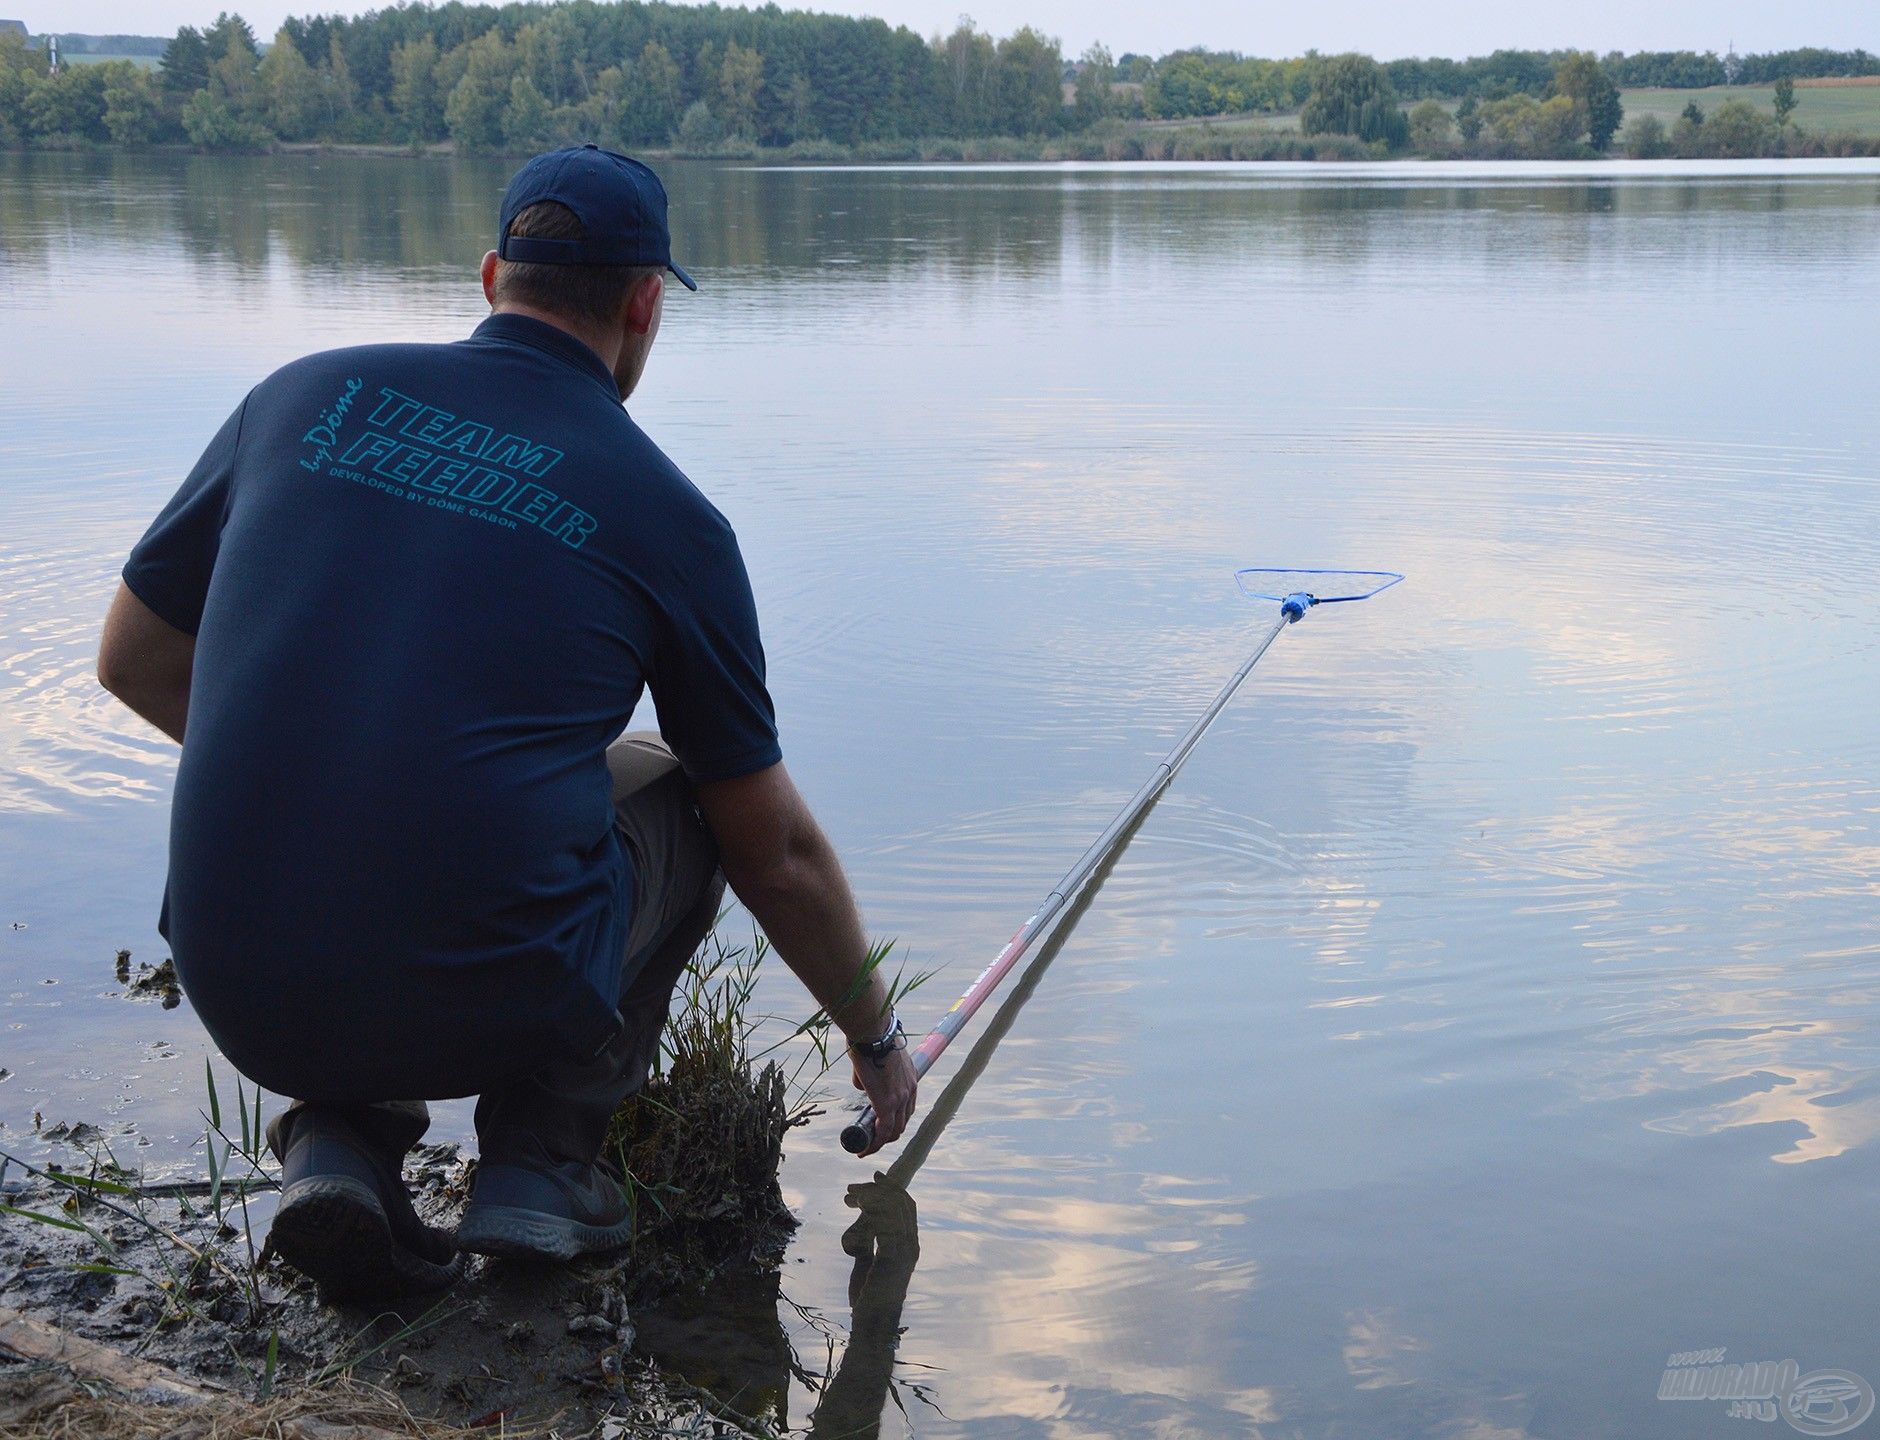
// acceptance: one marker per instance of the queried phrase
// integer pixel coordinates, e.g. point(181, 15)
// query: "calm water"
point(1489, 1011)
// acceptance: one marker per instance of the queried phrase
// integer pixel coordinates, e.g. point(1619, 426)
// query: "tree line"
point(658, 75)
point(1194, 83)
point(515, 76)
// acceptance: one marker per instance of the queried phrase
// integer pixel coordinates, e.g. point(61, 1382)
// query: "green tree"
point(1512, 119)
point(416, 98)
point(1785, 99)
point(233, 65)
point(1692, 112)
point(1558, 125)
point(706, 63)
point(1582, 79)
point(20, 72)
point(1645, 138)
point(553, 52)
point(699, 130)
point(67, 106)
point(1030, 84)
point(1430, 127)
point(474, 112)
point(1738, 131)
point(800, 100)
point(969, 65)
point(602, 114)
point(1546, 128)
point(740, 79)
point(1468, 120)
point(336, 84)
point(185, 64)
point(1687, 135)
point(131, 113)
point(1096, 74)
point(1605, 112)
point(211, 122)
point(230, 32)
point(654, 95)
point(1351, 95)
point(1576, 74)
point(525, 117)
point(291, 98)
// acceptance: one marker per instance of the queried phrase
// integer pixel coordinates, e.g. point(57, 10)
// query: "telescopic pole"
point(860, 1135)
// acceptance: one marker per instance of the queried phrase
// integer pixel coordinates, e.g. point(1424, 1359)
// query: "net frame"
point(1325, 587)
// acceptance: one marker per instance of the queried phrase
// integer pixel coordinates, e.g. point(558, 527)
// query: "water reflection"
point(1501, 949)
point(339, 215)
point(885, 1244)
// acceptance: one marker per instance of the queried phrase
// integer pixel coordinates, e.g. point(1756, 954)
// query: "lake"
point(1489, 1011)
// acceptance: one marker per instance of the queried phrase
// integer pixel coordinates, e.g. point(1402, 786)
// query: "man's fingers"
point(896, 1120)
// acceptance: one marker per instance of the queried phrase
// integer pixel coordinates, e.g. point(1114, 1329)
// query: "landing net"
point(1324, 586)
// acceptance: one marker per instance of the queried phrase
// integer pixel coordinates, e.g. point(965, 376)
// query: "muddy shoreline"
point(680, 1331)
point(156, 1275)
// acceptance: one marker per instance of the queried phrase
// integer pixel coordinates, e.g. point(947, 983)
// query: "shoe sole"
point(333, 1230)
point(509, 1233)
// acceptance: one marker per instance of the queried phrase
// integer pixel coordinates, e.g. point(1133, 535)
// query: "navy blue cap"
point(620, 202)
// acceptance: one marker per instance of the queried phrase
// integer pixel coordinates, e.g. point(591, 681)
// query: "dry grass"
point(47, 1403)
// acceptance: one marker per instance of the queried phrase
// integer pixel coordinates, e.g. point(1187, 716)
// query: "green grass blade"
point(90, 1184)
point(215, 1103)
point(45, 1219)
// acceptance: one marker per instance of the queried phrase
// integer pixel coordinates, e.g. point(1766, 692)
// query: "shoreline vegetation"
point(119, 1286)
point(798, 87)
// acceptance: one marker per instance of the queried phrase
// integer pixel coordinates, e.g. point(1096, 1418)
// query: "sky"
point(1385, 28)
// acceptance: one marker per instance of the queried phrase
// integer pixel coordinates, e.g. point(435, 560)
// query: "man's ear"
point(489, 278)
point(643, 301)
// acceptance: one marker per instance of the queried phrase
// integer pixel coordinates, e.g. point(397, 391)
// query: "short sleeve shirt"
point(428, 585)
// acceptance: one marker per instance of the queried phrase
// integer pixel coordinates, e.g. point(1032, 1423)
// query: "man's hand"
point(890, 1084)
point(781, 866)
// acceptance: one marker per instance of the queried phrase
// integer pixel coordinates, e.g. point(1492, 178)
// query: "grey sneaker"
point(346, 1220)
point(525, 1205)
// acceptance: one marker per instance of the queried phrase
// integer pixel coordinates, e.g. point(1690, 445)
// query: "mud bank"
point(156, 1276)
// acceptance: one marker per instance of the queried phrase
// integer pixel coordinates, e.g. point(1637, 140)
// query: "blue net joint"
point(1295, 605)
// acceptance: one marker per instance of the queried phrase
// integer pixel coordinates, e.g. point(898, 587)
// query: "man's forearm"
point(784, 869)
point(147, 663)
point(803, 901)
point(167, 709)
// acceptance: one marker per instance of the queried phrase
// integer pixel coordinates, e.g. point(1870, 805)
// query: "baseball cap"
point(620, 203)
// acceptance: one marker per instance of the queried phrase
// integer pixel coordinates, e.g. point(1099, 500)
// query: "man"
point(397, 617)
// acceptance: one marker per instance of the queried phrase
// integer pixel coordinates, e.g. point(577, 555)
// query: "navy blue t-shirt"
point(428, 584)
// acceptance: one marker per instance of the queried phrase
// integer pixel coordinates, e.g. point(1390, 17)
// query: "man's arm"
point(783, 868)
point(146, 662)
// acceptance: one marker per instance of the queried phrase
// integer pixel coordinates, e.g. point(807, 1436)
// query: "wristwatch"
point(895, 1038)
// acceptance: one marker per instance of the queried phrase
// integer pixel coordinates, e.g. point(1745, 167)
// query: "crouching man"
point(398, 617)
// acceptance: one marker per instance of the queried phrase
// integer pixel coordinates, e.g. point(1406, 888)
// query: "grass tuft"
point(701, 1143)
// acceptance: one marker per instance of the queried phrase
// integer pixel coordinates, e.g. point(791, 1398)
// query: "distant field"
point(1229, 124)
point(143, 62)
point(1832, 108)
point(1853, 107)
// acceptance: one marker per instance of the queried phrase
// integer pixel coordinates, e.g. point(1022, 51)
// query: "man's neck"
point(604, 341)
